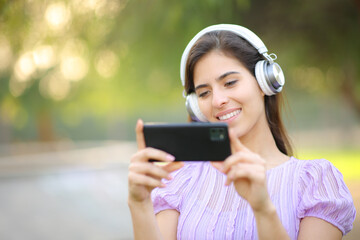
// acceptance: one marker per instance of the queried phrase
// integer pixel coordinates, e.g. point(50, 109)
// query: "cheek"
point(205, 107)
point(252, 103)
point(255, 106)
point(252, 95)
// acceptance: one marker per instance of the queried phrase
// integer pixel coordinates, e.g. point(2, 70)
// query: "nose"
point(219, 98)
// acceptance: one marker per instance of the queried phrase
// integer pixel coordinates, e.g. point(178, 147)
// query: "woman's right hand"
point(143, 175)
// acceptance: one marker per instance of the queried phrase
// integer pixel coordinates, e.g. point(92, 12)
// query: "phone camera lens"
point(217, 134)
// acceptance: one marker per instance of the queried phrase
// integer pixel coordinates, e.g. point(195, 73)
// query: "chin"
point(237, 130)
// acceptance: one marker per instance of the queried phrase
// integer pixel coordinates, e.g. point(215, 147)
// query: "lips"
point(229, 115)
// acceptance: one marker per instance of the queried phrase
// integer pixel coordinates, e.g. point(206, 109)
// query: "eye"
point(203, 94)
point(230, 83)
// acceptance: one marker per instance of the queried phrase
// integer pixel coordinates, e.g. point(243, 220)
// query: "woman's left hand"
point(247, 171)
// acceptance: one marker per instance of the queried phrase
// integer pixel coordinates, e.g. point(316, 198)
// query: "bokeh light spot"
point(57, 16)
point(24, 67)
point(54, 86)
point(106, 63)
point(44, 56)
point(74, 68)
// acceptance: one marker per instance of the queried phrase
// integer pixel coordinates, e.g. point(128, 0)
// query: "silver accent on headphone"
point(277, 80)
point(268, 57)
point(273, 56)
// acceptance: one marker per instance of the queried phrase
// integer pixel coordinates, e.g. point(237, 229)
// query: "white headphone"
point(268, 74)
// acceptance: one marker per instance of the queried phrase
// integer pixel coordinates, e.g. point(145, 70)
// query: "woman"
point(260, 191)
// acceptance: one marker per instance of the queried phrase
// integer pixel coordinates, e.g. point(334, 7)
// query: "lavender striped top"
point(298, 188)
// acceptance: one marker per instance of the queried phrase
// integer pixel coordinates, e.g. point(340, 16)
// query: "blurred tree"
point(48, 50)
point(319, 40)
point(109, 59)
point(97, 57)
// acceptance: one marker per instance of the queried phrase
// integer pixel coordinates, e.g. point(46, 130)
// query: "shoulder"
point(321, 175)
point(322, 193)
point(318, 167)
point(318, 164)
point(319, 170)
point(305, 167)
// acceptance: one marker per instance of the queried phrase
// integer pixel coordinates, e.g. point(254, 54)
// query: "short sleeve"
point(323, 194)
point(170, 197)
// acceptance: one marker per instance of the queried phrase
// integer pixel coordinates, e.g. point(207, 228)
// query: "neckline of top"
point(291, 159)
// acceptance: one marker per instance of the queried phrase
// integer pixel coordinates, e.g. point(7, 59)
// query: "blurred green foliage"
point(85, 69)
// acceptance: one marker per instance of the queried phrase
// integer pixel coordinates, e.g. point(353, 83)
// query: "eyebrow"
point(221, 77)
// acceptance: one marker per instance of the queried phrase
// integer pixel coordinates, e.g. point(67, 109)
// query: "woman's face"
point(228, 92)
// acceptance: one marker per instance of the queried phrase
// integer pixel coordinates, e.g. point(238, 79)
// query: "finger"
point(235, 143)
point(251, 172)
point(151, 153)
point(149, 169)
point(143, 180)
point(237, 157)
point(232, 178)
point(242, 157)
point(140, 134)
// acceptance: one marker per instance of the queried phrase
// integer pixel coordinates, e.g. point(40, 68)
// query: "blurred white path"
point(71, 193)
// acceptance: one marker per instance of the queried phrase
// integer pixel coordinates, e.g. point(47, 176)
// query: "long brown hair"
point(233, 45)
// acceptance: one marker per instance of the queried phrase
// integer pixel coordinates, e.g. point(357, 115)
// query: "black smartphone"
point(190, 141)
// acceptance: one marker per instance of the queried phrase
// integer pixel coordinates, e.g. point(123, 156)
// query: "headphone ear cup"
point(270, 77)
point(261, 77)
point(193, 109)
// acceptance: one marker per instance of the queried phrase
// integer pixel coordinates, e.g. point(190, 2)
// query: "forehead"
point(214, 64)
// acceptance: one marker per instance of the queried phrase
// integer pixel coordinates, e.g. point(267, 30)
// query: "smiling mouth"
point(229, 115)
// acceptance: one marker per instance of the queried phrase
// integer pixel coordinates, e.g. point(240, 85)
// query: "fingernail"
point(162, 185)
point(170, 157)
point(170, 177)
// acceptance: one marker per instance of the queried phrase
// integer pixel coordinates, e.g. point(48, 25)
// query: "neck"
point(261, 141)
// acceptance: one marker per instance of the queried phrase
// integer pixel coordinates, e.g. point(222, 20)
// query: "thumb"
point(236, 145)
point(139, 134)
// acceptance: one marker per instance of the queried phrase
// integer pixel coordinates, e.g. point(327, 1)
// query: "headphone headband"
point(245, 33)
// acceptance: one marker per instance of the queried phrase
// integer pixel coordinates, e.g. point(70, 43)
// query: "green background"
point(86, 70)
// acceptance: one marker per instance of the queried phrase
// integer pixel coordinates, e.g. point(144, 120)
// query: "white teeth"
point(229, 115)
